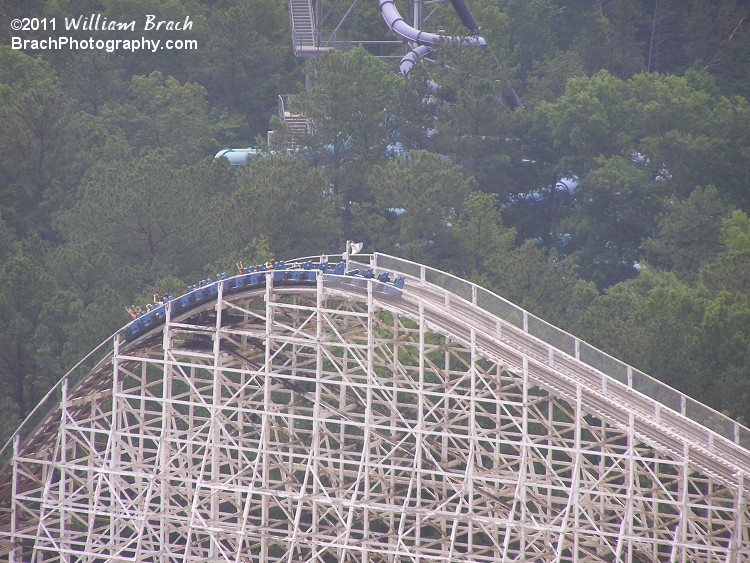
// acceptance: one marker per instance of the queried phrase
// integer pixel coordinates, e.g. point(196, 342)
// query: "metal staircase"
point(305, 44)
point(303, 29)
point(298, 125)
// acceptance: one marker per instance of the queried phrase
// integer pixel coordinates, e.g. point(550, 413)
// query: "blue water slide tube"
point(396, 23)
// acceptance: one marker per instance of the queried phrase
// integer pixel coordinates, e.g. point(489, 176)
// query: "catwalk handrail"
point(570, 345)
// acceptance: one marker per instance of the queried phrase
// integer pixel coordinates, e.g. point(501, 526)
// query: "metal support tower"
point(341, 421)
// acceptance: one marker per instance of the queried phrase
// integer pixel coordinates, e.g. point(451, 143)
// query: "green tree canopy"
point(653, 323)
point(350, 101)
point(34, 322)
point(472, 120)
point(481, 235)
point(146, 213)
point(45, 144)
point(415, 199)
point(161, 112)
point(542, 282)
point(616, 208)
point(687, 234)
point(285, 200)
point(729, 271)
point(247, 40)
point(594, 117)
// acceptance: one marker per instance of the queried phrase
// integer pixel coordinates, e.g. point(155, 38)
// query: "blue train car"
point(207, 290)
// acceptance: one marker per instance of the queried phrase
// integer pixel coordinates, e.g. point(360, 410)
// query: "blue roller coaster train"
point(250, 278)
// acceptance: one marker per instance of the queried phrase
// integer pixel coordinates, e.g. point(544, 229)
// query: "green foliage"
point(695, 337)
point(541, 282)
point(33, 319)
point(729, 271)
point(94, 79)
point(481, 234)
point(346, 25)
point(284, 200)
point(8, 243)
point(594, 117)
point(349, 102)
point(627, 319)
point(730, 160)
point(617, 205)
point(473, 120)
point(680, 151)
point(161, 112)
point(687, 234)
point(531, 30)
point(415, 199)
point(494, 23)
point(172, 61)
point(44, 142)
point(718, 41)
point(634, 152)
point(145, 213)
point(548, 76)
point(245, 41)
point(108, 192)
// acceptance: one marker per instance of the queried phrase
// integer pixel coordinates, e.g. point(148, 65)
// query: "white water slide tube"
point(426, 41)
point(397, 24)
point(411, 58)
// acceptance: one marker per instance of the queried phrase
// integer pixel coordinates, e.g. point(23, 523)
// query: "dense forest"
point(614, 204)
